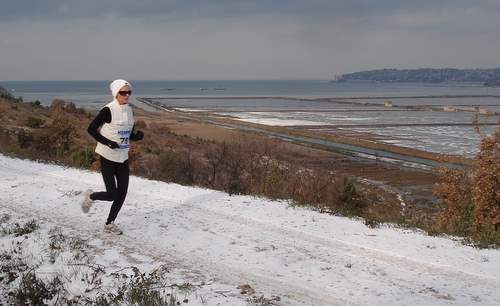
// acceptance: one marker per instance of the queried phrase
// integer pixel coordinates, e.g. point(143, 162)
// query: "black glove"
point(139, 135)
point(113, 145)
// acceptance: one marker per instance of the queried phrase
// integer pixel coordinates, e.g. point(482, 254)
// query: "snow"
point(305, 257)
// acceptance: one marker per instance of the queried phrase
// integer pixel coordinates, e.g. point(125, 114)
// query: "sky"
point(241, 40)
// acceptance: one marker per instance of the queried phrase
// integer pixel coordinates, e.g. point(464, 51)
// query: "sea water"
point(95, 92)
point(299, 103)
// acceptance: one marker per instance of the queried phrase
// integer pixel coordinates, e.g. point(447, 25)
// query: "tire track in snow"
point(201, 210)
point(228, 274)
point(295, 293)
point(376, 262)
point(347, 247)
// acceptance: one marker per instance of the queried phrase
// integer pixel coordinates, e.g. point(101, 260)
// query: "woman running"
point(113, 128)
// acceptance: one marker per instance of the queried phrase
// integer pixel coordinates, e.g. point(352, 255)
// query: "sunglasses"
point(124, 93)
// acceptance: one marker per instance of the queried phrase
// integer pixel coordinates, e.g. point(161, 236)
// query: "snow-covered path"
point(305, 257)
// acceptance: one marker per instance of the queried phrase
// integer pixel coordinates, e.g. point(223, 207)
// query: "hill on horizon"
point(489, 77)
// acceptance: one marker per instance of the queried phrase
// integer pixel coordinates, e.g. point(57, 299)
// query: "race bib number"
point(124, 139)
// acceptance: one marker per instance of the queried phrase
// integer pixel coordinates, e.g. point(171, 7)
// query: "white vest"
point(118, 130)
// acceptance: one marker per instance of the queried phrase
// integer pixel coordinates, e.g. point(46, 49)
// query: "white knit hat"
point(116, 85)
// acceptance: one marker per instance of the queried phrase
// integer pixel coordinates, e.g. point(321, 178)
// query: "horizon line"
point(162, 80)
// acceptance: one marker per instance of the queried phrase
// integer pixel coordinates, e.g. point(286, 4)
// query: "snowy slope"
point(305, 257)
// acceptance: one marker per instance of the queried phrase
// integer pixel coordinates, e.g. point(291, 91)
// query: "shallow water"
point(359, 113)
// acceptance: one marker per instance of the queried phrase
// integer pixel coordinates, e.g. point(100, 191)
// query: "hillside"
point(425, 75)
point(185, 151)
point(208, 243)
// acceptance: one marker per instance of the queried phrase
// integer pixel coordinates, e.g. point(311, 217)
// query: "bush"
point(454, 191)
point(272, 182)
point(471, 198)
point(57, 105)
point(60, 105)
point(255, 167)
point(215, 155)
point(34, 122)
point(347, 190)
point(234, 167)
point(173, 166)
point(4, 218)
point(141, 290)
point(70, 107)
point(24, 139)
point(57, 138)
point(33, 291)
point(5, 139)
point(486, 187)
point(27, 228)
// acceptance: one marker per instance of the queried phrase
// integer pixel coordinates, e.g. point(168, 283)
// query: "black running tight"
point(116, 190)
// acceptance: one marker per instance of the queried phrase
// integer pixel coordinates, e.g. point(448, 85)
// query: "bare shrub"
point(455, 194)
point(22, 229)
point(486, 187)
point(4, 218)
point(142, 289)
point(12, 264)
point(5, 138)
point(471, 198)
point(234, 166)
point(215, 158)
point(57, 105)
point(239, 167)
point(252, 167)
point(261, 300)
point(225, 163)
point(33, 291)
point(34, 122)
point(59, 243)
point(173, 166)
point(327, 191)
point(24, 138)
point(272, 182)
point(70, 107)
point(57, 138)
point(347, 190)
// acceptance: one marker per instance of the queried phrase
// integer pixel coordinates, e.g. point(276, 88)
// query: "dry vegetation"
point(255, 165)
point(471, 198)
point(24, 279)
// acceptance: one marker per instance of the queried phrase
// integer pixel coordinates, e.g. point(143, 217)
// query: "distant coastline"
point(488, 77)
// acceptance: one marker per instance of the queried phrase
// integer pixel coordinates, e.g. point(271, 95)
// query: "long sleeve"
point(104, 116)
